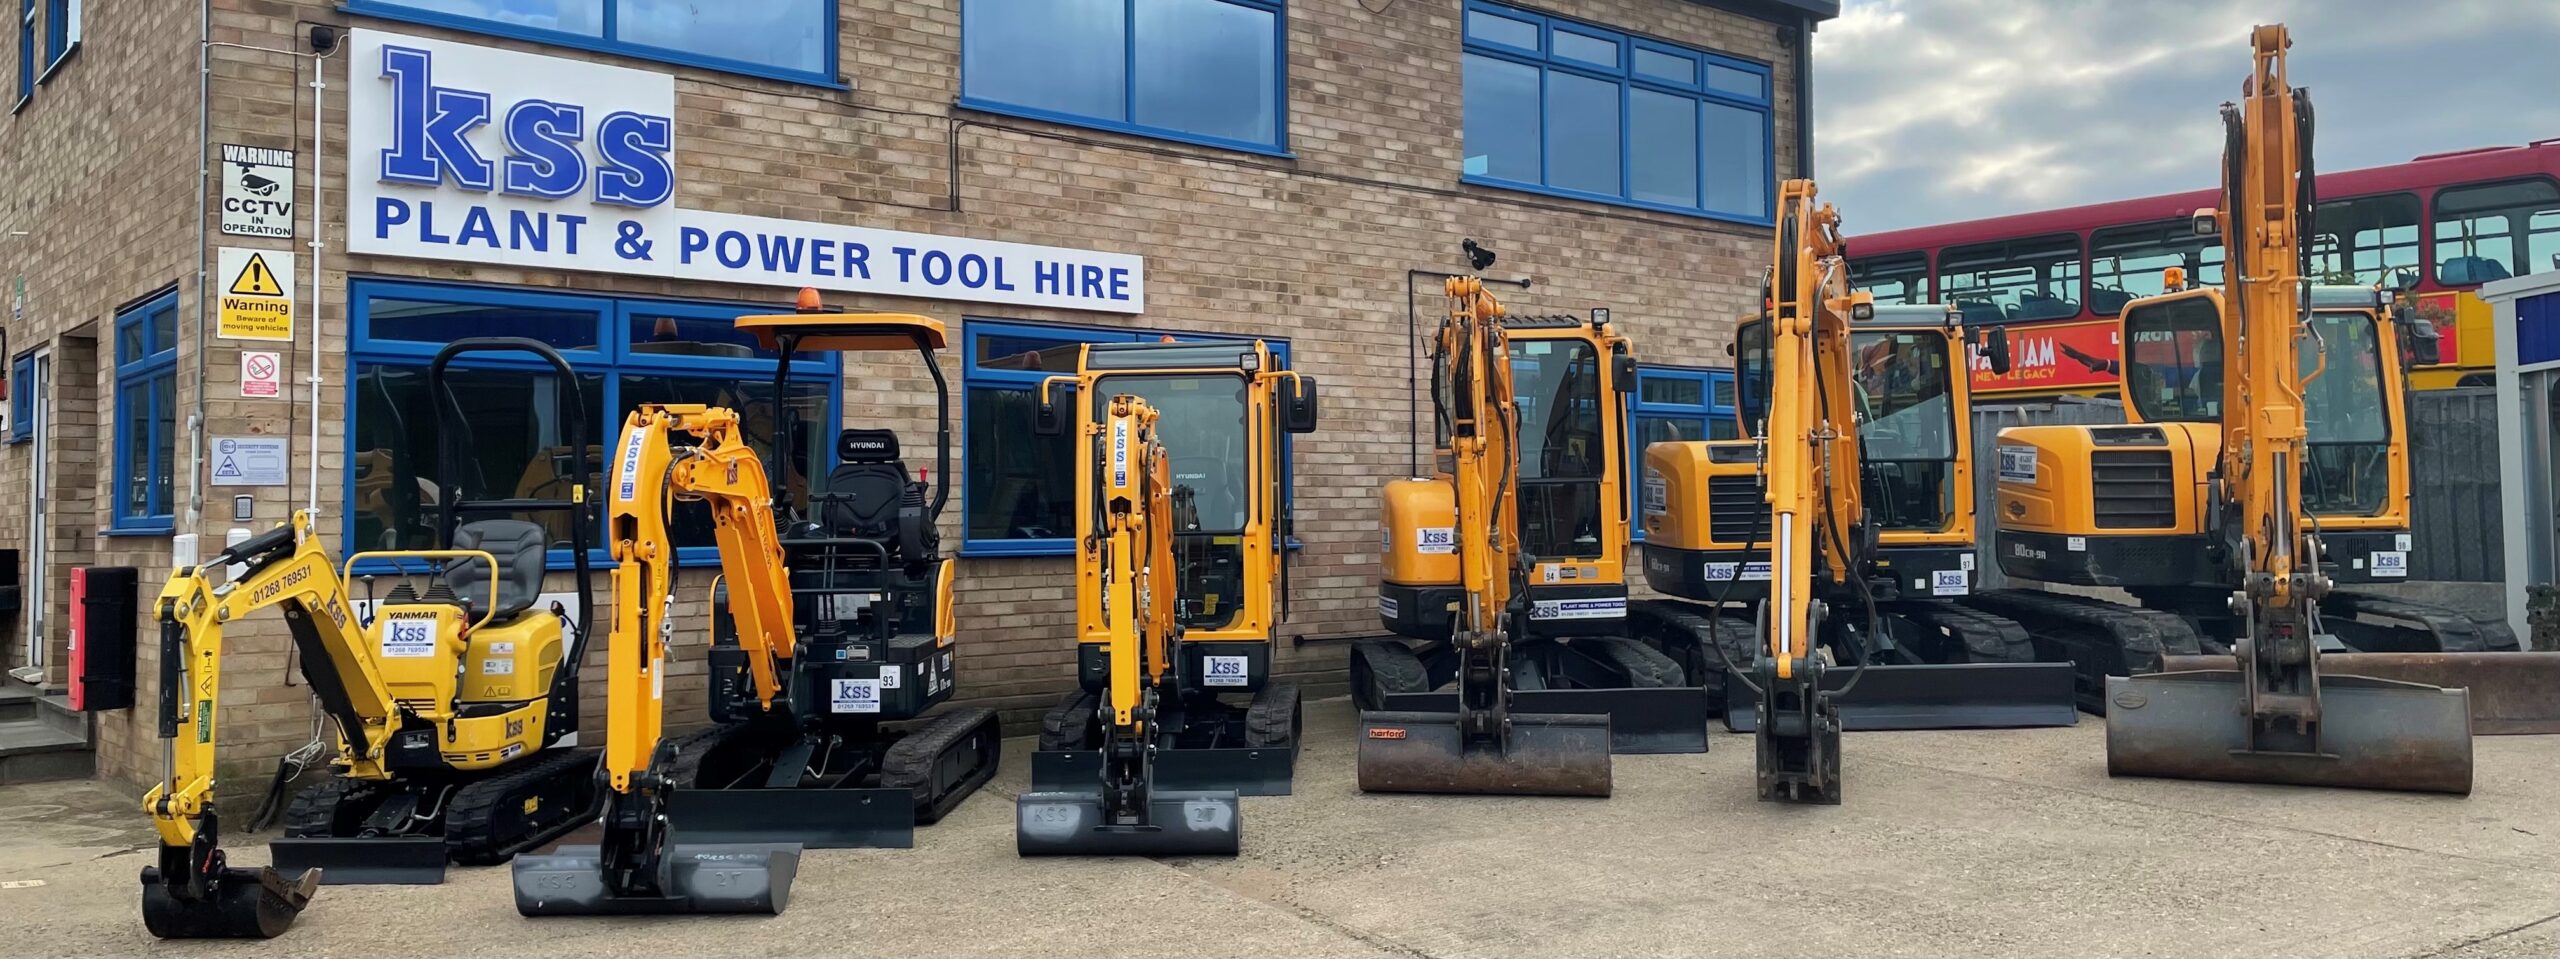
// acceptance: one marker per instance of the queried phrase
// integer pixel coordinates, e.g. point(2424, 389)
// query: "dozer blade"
point(810, 818)
point(2512, 694)
point(1954, 696)
point(2374, 733)
point(238, 904)
point(1650, 721)
point(703, 878)
point(1179, 823)
point(1245, 772)
point(376, 861)
point(1550, 754)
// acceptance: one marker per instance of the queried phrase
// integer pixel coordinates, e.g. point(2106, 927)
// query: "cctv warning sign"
point(257, 192)
point(257, 295)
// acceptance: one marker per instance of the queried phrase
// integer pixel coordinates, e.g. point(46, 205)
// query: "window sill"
point(21, 105)
point(56, 65)
point(140, 530)
point(1125, 129)
point(21, 440)
point(384, 11)
point(1515, 186)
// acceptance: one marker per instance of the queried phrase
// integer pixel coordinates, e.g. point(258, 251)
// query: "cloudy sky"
point(1932, 111)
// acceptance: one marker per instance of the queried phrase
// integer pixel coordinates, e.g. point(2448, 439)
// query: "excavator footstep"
point(374, 861)
point(239, 904)
point(2374, 733)
point(1179, 823)
point(752, 878)
point(1549, 754)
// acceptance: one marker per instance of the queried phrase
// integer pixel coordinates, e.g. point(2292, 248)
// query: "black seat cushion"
point(862, 499)
point(519, 548)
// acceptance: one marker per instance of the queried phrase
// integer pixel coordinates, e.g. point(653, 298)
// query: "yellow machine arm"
point(1133, 551)
point(1485, 467)
point(649, 473)
point(2263, 447)
point(1812, 482)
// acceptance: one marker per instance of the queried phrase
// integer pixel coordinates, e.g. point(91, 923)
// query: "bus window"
point(2364, 240)
point(1895, 278)
point(2037, 278)
point(2482, 229)
point(2126, 262)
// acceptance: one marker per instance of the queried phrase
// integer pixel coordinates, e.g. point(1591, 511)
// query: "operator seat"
point(870, 496)
point(520, 547)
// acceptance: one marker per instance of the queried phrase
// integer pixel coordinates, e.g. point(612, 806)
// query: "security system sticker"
point(1225, 671)
point(854, 696)
point(1552, 609)
point(1435, 540)
point(498, 667)
point(2392, 564)
point(1388, 607)
point(2018, 464)
point(410, 637)
point(1723, 572)
point(890, 677)
point(2076, 544)
point(1950, 582)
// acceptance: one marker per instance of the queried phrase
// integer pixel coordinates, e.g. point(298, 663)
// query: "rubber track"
point(679, 761)
point(2101, 638)
point(1697, 626)
point(1643, 666)
point(314, 811)
point(1985, 637)
point(2455, 631)
point(469, 836)
point(912, 761)
point(1393, 668)
point(1274, 718)
point(1069, 724)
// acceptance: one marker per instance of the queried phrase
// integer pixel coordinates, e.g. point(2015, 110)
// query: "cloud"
point(1933, 111)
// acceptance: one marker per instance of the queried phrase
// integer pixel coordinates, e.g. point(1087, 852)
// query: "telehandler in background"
point(1182, 580)
point(842, 623)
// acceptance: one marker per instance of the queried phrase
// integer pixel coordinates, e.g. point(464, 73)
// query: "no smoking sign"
point(261, 375)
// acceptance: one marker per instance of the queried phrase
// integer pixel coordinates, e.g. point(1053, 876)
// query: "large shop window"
point(782, 39)
point(626, 352)
point(1018, 491)
point(1200, 71)
point(1558, 106)
point(1677, 404)
point(146, 407)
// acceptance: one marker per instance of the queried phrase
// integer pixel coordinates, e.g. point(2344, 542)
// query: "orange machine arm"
point(1812, 462)
point(2264, 446)
point(1476, 356)
point(650, 472)
point(1135, 543)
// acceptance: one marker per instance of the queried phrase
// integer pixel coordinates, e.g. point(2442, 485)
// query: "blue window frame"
point(1018, 488)
point(1212, 72)
point(61, 32)
point(1675, 404)
point(26, 51)
point(1563, 107)
point(146, 411)
point(626, 351)
point(791, 40)
point(22, 398)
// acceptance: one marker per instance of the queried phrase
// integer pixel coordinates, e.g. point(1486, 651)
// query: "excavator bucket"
point(750, 878)
point(2373, 734)
point(809, 818)
point(1548, 754)
point(377, 861)
point(1955, 696)
point(1186, 822)
point(2512, 694)
point(233, 904)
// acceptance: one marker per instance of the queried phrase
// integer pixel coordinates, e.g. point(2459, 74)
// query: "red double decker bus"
point(2058, 278)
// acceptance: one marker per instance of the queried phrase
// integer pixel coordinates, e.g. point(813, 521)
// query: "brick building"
point(620, 177)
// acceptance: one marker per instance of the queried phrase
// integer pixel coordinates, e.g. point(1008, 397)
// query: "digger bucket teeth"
point(808, 818)
point(372, 861)
point(751, 878)
point(238, 904)
point(1178, 823)
point(2512, 694)
point(1953, 696)
point(2374, 733)
point(1549, 754)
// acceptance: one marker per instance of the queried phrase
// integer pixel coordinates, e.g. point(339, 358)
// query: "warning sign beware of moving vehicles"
point(257, 295)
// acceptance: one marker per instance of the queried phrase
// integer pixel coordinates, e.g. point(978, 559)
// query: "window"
point(2346, 426)
point(1200, 71)
point(782, 39)
point(146, 410)
point(2173, 361)
point(26, 51)
point(1894, 278)
point(2126, 262)
point(626, 352)
point(2037, 278)
point(1018, 487)
point(22, 398)
point(2358, 242)
point(1563, 422)
point(1907, 427)
point(2495, 231)
point(61, 31)
point(1674, 405)
point(1557, 106)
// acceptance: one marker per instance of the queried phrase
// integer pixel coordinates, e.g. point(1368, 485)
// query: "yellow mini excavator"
point(455, 705)
point(1182, 516)
point(828, 628)
point(2234, 502)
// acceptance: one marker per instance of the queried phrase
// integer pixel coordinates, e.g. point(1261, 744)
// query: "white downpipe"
point(319, 248)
